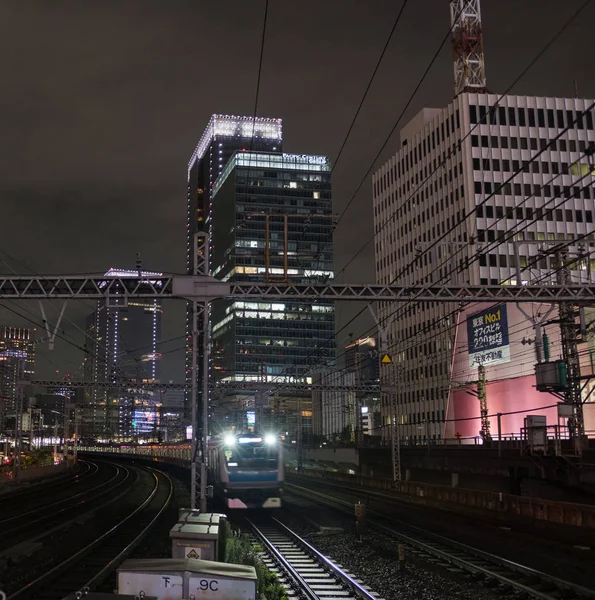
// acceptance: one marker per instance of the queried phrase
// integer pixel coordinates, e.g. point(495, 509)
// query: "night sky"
point(102, 104)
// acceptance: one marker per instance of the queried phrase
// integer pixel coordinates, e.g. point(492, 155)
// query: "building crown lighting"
point(232, 125)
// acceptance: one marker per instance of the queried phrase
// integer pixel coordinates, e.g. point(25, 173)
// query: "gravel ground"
point(375, 562)
point(528, 546)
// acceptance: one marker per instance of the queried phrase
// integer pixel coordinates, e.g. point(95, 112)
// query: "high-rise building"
point(122, 344)
point(272, 222)
point(361, 358)
point(17, 361)
point(334, 412)
point(224, 135)
point(504, 170)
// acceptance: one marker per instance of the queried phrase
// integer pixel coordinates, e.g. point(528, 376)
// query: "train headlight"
point(229, 439)
point(270, 439)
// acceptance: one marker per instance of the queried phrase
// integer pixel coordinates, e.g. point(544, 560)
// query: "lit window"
point(316, 195)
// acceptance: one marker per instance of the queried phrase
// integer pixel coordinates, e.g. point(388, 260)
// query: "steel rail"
point(112, 564)
point(63, 501)
point(284, 564)
point(444, 554)
point(349, 581)
point(27, 589)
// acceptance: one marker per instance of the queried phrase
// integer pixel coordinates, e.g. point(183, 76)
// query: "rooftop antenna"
point(467, 44)
point(139, 264)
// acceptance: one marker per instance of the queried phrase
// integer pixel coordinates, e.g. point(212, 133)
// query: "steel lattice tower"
point(467, 44)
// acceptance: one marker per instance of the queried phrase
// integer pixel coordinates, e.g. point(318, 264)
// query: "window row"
point(488, 188)
point(520, 213)
point(494, 141)
point(531, 117)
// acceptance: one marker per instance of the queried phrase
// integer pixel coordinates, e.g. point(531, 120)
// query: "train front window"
point(251, 455)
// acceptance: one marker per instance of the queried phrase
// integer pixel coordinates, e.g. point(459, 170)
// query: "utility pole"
point(483, 404)
point(386, 363)
point(200, 315)
point(18, 434)
point(568, 326)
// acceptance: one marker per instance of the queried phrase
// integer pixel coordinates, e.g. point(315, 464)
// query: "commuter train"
point(246, 470)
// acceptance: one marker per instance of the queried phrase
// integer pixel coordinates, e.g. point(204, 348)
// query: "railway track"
point(89, 567)
point(15, 528)
point(26, 491)
point(303, 570)
point(511, 576)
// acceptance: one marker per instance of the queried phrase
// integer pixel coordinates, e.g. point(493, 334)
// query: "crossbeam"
point(105, 385)
point(281, 386)
point(252, 386)
point(117, 290)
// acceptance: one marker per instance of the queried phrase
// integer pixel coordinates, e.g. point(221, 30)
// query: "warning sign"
point(193, 553)
point(386, 359)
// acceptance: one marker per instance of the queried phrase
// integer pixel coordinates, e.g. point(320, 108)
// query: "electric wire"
point(537, 57)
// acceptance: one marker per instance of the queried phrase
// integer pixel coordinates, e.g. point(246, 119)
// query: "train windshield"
point(252, 455)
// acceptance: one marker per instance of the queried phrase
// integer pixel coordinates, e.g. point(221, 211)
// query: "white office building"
point(452, 180)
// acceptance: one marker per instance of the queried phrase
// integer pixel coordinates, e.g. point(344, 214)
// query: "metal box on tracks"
point(177, 579)
point(198, 541)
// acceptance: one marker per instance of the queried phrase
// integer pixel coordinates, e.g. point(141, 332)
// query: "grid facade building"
point(272, 221)
point(17, 361)
point(455, 180)
point(122, 344)
point(223, 136)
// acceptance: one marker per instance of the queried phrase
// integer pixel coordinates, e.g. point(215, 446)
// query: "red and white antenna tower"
point(467, 43)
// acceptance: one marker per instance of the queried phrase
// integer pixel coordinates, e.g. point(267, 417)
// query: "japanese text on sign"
point(487, 335)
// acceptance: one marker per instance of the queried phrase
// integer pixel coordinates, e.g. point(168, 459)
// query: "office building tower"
point(334, 412)
point(464, 178)
point(122, 344)
point(272, 222)
point(361, 358)
point(17, 362)
point(224, 135)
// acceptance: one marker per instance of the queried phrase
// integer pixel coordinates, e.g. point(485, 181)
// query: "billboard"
point(487, 336)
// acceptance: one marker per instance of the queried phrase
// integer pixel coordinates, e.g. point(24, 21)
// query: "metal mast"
point(570, 354)
point(467, 44)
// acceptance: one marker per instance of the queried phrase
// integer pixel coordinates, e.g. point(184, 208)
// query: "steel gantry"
point(204, 289)
point(201, 289)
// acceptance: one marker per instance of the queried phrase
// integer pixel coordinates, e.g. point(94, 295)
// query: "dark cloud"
point(103, 103)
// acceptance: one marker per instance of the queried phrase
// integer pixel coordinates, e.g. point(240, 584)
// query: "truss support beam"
point(467, 45)
point(204, 288)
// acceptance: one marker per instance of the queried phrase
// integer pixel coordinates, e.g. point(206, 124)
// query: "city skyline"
point(117, 207)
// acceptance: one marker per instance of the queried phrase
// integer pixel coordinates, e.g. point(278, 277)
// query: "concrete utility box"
point(204, 519)
point(184, 513)
point(189, 515)
point(197, 541)
point(179, 579)
point(536, 427)
point(96, 596)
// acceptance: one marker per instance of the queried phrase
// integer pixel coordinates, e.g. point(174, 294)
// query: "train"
point(246, 470)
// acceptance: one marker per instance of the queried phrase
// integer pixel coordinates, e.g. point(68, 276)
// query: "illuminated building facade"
point(272, 222)
point(465, 178)
point(224, 135)
point(122, 344)
point(17, 361)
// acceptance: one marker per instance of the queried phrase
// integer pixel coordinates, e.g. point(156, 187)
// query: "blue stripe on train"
point(252, 475)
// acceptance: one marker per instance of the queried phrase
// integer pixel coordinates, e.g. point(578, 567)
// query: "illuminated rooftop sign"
point(234, 126)
point(130, 273)
point(272, 160)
